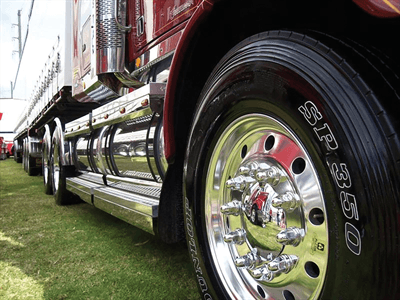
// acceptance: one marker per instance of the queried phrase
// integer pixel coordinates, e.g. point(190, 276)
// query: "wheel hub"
point(266, 190)
point(263, 195)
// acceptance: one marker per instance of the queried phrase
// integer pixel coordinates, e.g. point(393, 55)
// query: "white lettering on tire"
point(353, 239)
point(193, 251)
point(339, 172)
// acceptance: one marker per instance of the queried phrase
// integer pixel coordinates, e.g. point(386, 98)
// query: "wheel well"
point(232, 21)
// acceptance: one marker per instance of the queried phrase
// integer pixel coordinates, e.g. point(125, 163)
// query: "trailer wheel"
point(58, 176)
point(47, 174)
point(46, 159)
point(18, 157)
point(31, 167)
point(25, 155)
point(306, 127)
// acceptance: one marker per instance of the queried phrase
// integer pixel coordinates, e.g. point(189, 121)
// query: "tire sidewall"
point(239, 92)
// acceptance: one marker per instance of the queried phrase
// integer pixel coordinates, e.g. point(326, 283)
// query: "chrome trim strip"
point(138, 210)
point(141, 203)
point(82, 188)
point(113, 178)
point(92, 177)
point(128, 215)
point(138, 72)
point(138, 203)
point(110, 113)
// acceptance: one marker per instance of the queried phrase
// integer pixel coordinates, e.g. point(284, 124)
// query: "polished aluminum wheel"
point(265, 214)
point(56, 168)
point(45, 171)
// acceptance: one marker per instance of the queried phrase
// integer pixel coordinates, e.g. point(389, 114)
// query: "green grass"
point(79, 252)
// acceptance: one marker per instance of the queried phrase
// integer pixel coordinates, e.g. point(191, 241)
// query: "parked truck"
point(4, 150)
point(265, 133)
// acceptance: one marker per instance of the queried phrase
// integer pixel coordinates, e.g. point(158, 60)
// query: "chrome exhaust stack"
point(99, 36)
point(110, 36)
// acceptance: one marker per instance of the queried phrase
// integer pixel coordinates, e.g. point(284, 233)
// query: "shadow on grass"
point(80, 252)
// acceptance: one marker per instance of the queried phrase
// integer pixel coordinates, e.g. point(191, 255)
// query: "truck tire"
point(31, 168)
point(306, 125)
point(25, 155)
point(59, 174)
point(46, 158)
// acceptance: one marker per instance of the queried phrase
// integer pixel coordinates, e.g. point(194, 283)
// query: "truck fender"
point(196, 20)
point(381, 9)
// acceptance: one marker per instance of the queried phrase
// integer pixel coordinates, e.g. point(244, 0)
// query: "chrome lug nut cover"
point(267, 201)
point(236, 237)
point(291, 236)
point(234, 207)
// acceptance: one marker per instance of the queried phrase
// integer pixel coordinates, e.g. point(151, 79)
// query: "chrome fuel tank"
point(132, 148)
point(123, 138)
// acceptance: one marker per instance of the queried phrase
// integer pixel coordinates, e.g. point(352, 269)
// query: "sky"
point(43, 31)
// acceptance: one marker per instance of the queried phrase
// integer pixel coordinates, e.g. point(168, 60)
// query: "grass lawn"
point(78, 251)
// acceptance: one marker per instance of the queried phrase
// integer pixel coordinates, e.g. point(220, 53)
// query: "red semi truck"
point(4, 150)
point(265, 133)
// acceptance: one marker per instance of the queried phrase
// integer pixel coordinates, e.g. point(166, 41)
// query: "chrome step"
point(134, 201)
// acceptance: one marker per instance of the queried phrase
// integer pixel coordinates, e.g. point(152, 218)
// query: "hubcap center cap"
point(262, 190)
point(268, 188)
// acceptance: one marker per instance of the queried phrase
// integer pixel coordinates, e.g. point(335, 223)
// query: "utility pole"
point(19, 38)
point(21, 47)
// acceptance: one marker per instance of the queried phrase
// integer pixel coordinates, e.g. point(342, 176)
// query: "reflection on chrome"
point(126, 149)
point(132, 149)
point(265, 185)
point(282, 264)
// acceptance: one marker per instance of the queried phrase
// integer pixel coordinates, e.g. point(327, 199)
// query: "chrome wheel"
point(265, 214)
point(55, 168)
point(46, 161)
point(303, 127)
point(45, 171)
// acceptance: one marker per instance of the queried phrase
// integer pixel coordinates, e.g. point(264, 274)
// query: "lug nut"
point(274, 176)
point(259, 272)
point(244, 170)
point(261, 176)
point(290, 236)
point(250, 260)
point(232, 208)
point(283, 264)
point(271, 176)
point(235, 237)
point(239, 183)
point(288, 201)
point(262, 274)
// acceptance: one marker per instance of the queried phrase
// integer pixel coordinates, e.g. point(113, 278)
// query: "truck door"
point(156, 20)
